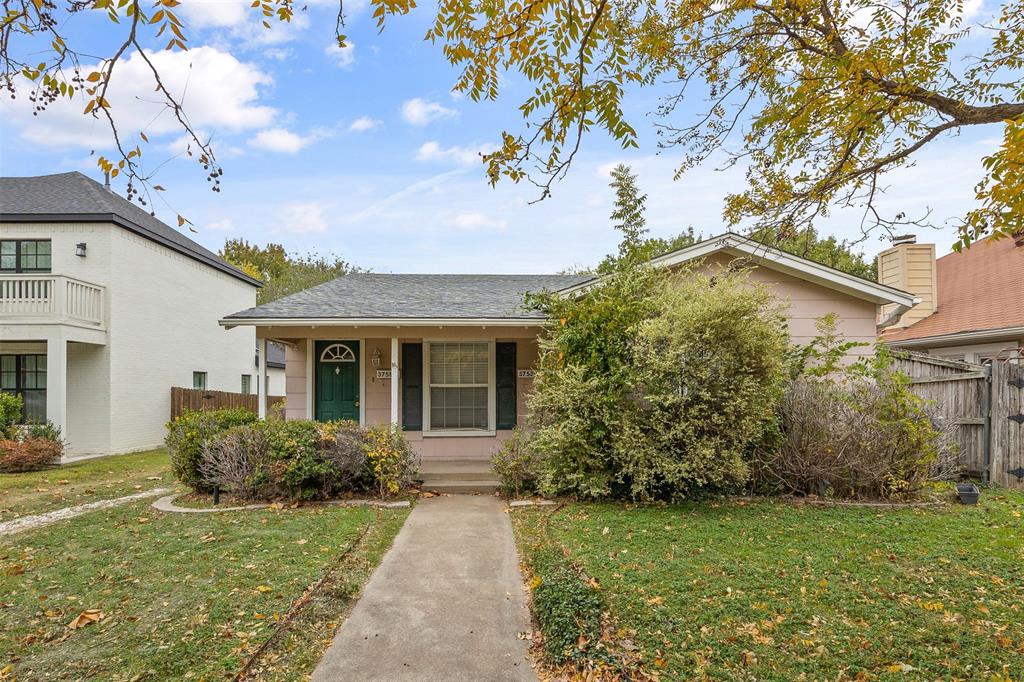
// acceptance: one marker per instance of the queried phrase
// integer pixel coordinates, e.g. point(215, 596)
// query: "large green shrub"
point(187, 434)
point(655, 385)
point(390, 459)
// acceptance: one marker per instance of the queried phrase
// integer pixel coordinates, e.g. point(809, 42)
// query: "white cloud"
point(464, 156)
point(225, 225)
point(282, 140)
point(219, 93)
point(473, 221)
point(363, 123)
point(303, 218)
point(278, 54)
point(343, 57)
point(216, 13)
point(419, 111)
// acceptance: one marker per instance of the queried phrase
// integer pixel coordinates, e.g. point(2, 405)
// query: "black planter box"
point(968, 493)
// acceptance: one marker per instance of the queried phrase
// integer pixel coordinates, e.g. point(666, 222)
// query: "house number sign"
point(524, 373)
point(383, 373)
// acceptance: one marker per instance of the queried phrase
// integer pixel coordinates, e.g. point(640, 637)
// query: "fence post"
point(986, 413)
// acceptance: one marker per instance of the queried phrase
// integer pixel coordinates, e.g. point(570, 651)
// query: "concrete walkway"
point(39, 520)
point(446, 603)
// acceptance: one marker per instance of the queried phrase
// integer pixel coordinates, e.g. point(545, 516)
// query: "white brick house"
point(103, 308)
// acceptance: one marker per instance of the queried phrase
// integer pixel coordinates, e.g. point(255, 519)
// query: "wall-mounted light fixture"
point(80, 249)
point(375, 358)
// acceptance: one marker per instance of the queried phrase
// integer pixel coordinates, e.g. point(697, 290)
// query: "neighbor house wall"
point(977, 352)
point(807, 302)
point(164, 312)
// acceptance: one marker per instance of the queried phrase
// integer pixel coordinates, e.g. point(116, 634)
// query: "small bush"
point(343, 445)
point(390, 460)
point(45, 430)
point(568, 609)
point(297, 463)
point(10, 413)
point(236, 461)
point(29, 454)
point(187, 433)
point(518, 465)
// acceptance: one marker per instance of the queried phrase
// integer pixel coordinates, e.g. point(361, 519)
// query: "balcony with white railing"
point(50, 299)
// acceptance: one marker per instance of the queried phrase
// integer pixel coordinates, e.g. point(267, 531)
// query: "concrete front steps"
point(465, 476)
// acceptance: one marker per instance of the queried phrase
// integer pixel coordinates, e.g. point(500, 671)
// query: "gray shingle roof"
point(384, 296)
point(74, 197)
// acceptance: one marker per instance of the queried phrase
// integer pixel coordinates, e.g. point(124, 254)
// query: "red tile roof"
point(980, 288)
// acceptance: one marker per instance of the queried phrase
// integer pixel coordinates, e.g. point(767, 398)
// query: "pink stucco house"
point(450, 358)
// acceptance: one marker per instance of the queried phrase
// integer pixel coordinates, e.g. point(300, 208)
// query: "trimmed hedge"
point(187, 434)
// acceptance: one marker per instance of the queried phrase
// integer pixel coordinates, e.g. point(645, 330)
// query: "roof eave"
point(231, 322)
point(131, 227)
point(996, 334)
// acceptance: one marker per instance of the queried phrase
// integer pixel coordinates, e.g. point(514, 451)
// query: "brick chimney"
point(911, 267)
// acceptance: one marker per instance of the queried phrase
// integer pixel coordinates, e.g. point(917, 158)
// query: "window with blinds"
point(458, 374)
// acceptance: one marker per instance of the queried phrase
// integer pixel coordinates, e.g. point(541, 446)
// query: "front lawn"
point(772, 590)
point(183, 596)
point(89, 480)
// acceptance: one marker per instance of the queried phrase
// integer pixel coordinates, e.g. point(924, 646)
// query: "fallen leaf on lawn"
point(143, 519)
point(14, 569)
point(748, 658)
point(263, 588)
point(660, 662)
point(900, 668)
point(276, 505)
point(301, 542)
point(654, 601)
point(154, 478)
point(606, 531)
point(209, 537)
point(87, 617)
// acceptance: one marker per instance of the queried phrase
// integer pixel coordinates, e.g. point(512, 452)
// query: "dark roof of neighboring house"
point(980, 289)
point(74, 197)
point(275, 354)
point(385, 296)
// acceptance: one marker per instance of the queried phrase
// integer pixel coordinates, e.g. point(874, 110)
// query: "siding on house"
point(807, 302)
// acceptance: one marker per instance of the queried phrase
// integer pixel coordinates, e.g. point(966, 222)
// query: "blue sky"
point(366, 154)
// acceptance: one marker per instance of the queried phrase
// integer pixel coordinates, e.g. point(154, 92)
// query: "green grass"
point(101, 478)
point(770, 590)
point(184, 596)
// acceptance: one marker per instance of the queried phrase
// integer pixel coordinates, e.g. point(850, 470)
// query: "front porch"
point(457, 391)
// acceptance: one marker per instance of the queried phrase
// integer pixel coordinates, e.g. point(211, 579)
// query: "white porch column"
point(57, 380)
point(261, 381)
point(394, 381)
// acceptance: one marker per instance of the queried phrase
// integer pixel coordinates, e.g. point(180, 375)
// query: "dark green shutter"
point(505, 384)
point(412, 386)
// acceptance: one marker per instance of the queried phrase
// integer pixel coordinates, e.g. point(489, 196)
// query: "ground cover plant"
point(26, 447)
point(178, 596)
point(774, 590)
point(89, 480)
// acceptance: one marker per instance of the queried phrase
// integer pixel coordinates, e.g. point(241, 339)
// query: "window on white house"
point(246, 384)
point(199, 380)
point(459, 380)
point(25, 375)
point(25, 255)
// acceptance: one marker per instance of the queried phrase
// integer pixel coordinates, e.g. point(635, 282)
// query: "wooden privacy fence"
point(986, 402)
point(192, 399)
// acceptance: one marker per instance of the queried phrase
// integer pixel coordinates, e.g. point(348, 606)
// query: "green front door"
point(337, 380)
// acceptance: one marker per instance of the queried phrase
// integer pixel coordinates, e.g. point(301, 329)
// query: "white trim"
point(231, 323)
point(336, 357)
point(786, 262)
point(362, 381)
point(1006, 333)
point(261, 381)
point(394, 381)
point(460, 433)
point(310, 368)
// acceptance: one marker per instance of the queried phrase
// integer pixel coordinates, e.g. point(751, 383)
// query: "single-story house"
point(450, 358)
point(972, 301)
point(103, 308)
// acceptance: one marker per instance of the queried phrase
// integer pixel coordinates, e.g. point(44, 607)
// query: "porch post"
point(394, 381)
point(261, 381)
point(57, 380)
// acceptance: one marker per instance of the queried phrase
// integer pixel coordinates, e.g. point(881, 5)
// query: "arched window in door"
point(337, 352)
